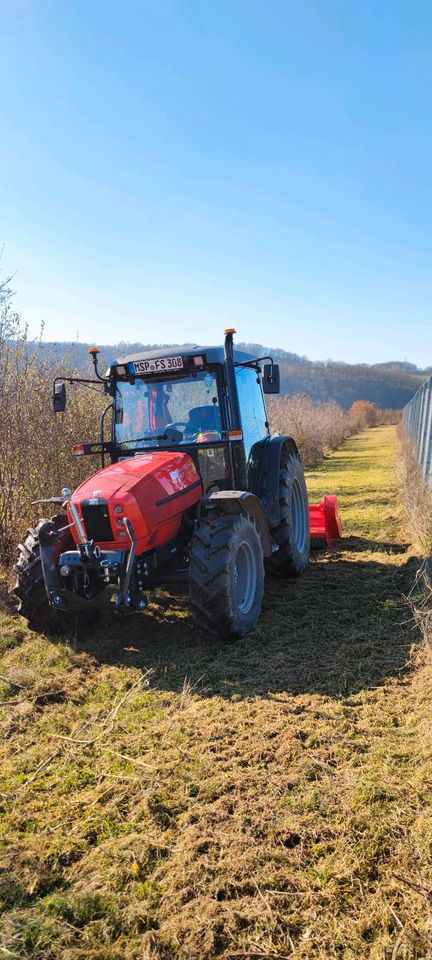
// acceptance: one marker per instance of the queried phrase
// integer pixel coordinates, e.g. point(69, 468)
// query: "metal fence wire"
point(417, 417)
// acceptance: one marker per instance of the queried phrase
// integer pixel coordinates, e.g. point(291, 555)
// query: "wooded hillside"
point(389, 384)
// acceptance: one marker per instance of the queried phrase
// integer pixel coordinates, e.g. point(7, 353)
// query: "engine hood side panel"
point(153, 490)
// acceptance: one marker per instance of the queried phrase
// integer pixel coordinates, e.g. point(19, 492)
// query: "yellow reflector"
point(78, 450)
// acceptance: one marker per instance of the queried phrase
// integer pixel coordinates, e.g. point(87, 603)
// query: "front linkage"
point(87, 569)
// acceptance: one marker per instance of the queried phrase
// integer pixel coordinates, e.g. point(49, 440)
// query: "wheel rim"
point(245, 578)
point(298, 516)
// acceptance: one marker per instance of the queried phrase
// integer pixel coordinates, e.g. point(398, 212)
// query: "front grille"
point(97, 521)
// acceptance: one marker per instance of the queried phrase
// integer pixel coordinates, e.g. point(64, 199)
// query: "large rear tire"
point(293, 532)
point(30, 585)
point(226, 575)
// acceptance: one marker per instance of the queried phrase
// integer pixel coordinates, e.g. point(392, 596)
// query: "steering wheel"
point(171, 433)
point(175, 424)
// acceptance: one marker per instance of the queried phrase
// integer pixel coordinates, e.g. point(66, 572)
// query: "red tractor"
point(196, 489)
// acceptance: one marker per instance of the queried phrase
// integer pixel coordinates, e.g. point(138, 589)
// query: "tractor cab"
point(167, 401)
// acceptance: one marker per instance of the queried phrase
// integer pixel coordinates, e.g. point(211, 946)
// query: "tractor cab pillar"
point(238, 450)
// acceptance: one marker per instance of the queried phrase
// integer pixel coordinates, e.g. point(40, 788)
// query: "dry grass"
point(416, 494)
point(318, 428)
point(165, 796)
point(416, 497)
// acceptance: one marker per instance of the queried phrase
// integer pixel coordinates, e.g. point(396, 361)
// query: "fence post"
point(417, 418)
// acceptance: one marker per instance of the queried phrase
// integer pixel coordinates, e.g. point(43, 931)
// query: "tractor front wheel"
point(293, 532)
point(226, 575)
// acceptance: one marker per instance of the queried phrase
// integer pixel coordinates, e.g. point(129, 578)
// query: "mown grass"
point(165, 796)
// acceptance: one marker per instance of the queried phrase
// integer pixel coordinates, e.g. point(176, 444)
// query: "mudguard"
point(263, 473)
point(232, 501)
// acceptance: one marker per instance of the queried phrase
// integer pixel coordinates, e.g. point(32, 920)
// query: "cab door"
point(252, 407)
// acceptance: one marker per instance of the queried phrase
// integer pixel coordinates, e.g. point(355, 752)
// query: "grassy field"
point(166, 796)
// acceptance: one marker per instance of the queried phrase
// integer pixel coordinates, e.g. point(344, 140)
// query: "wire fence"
point(417, 417)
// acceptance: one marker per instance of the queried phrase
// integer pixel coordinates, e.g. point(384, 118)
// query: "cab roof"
point(213, 354)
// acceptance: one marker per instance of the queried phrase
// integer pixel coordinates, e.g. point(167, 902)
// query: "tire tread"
point(210, 587)
point(286, 561)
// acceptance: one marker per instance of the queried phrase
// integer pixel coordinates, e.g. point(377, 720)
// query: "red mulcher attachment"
point(325, 522)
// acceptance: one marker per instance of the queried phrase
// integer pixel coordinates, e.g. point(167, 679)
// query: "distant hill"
point(389, 384)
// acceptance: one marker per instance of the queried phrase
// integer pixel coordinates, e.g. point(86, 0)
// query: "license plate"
point(159, 365)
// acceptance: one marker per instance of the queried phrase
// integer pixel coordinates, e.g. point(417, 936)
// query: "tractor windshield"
point(165, 412)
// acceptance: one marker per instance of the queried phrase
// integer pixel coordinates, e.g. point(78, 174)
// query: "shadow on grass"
point(343, 627)
point(363, 545)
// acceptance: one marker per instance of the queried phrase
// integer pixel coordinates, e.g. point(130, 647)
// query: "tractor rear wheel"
point(30, 585)
point(293, 532)
point(226, 575)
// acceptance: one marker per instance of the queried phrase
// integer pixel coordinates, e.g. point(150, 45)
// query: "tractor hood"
point(152, 489)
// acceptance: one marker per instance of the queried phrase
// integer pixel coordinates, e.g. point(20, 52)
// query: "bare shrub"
point(388, 416)
point(416, 494)
point(35, 444)
point(363, 414)
point(316, 427)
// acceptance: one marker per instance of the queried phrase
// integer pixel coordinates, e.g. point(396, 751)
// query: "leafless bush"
point(316, 427)
point(389, 416)
point(35, 445)
point(364, 414)
point(416, 494)
point(416, 497)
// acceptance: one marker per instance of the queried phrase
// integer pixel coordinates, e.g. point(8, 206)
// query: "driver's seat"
point(202, 419)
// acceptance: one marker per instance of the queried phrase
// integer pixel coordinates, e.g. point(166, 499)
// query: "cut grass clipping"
point(167, 796)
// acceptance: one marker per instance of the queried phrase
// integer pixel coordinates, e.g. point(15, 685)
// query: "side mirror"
point(59, 397)
point(271, 378)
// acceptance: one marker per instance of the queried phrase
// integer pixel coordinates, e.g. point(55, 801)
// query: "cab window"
point(187, 405)
point(252, 408)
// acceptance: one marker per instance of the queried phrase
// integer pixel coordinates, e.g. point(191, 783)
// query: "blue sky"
point(168, 169)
